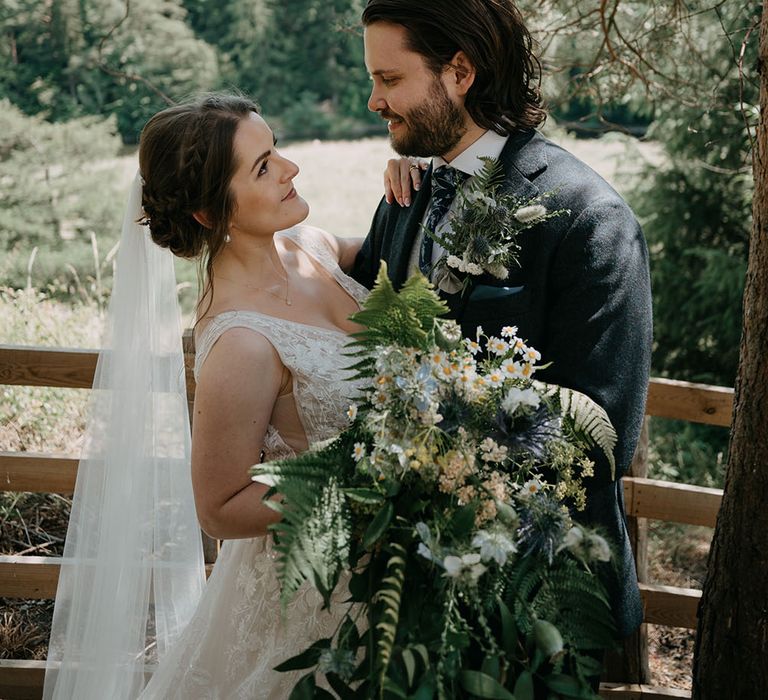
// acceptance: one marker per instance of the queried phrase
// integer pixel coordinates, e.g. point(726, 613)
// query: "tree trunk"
point(731, 658)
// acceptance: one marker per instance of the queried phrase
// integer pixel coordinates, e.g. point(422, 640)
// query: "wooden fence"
point(35, 577)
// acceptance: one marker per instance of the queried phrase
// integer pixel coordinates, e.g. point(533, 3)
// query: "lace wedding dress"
point(238, 633)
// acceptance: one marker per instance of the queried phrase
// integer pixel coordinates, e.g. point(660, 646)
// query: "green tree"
point(66, 58)
point(38, 43)
point(696, 208)
point(54, 196)
point(302, 59)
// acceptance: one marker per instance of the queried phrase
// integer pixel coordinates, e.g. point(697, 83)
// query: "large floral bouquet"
point(445, 508)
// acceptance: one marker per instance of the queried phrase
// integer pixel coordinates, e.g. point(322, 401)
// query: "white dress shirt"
point(489, 145)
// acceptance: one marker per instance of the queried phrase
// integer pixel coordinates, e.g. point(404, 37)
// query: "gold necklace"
point(285, 299)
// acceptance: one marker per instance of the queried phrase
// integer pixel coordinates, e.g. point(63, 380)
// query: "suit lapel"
point(523, 160)
point(406, 229)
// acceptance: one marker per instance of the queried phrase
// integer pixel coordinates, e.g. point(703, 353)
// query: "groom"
point(456, 81)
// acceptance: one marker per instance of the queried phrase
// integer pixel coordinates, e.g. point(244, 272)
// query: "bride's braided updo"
point(187, 161)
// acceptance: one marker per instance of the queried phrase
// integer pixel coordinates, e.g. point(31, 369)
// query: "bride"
point(270, 333)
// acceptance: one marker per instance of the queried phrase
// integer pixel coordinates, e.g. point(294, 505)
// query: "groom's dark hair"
point(506, 93)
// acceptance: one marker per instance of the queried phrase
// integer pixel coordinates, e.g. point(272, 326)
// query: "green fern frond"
point(572, 600)
point(419, 294)
point(390, 596)
point(589, 419)
point(520, 590)
point(313, 543)
point(492, 175)
point(406, 318)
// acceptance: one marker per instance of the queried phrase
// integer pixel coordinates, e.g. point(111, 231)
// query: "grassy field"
point(342, 180)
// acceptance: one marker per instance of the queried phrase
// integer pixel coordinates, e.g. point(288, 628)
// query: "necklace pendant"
point(289, 303)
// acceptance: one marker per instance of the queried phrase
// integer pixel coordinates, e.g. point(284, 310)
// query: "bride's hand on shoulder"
point(401, 178)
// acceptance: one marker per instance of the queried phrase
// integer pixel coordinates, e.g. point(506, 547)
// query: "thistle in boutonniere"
point(483, 230)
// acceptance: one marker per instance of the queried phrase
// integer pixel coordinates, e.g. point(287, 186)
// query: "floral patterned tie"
point(445, 182)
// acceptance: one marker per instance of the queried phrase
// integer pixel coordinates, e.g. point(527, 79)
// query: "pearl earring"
point(227, 238)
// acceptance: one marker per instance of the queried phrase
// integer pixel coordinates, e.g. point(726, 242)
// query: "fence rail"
point(30, 577)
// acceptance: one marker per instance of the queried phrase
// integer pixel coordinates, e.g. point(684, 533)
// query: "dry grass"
point(678, 557)
point(24, 626)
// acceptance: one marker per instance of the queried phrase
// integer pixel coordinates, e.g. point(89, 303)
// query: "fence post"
point(630, 664)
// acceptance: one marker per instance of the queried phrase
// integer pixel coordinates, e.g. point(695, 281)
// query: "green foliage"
point(54, 197)
point(696, 214)
point(55, 64)
point(589, 420)
point(389, 596)
point(689, 453)
point(405, 318)
point(313, 537)
point(306, 118)
point(156, 45)
point(301, 59)
point(696, 209)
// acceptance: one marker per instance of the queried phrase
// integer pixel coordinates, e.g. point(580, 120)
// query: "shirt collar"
point(489, 145)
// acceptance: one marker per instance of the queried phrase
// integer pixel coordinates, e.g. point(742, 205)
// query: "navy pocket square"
point(483, 292)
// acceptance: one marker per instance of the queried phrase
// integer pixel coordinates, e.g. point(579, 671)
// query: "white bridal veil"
point(132, 571)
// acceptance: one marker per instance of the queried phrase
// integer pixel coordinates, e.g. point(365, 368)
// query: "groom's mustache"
point(386, 114)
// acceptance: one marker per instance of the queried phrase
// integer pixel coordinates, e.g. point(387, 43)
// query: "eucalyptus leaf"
point(483, 686)
point(524, 686)
point(565, 685)
point(358, 587)
point(409, 662)
point(589, 665)
point(344, 691)
point(425, 691)
point(394, 689)
point(491, 666)
point(508, 629)
point(304, 689)
point(306, 659)
point(379, 525)
point(364, 495)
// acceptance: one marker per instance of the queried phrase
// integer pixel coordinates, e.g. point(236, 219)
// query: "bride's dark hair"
point(187, 161)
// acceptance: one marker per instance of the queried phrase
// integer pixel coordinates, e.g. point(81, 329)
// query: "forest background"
point(78, 79)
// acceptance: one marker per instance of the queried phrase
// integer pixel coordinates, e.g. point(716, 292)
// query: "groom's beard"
point(433, 128)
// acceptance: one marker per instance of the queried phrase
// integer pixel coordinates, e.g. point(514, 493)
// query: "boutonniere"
point(482, 233)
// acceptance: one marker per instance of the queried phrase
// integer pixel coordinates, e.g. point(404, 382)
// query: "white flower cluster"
point(491, 451)
point(586, 546)
point(494, 545)
point(464, 264)
point(410, 387)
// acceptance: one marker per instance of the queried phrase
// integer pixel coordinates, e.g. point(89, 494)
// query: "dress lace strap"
point(313, 241)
